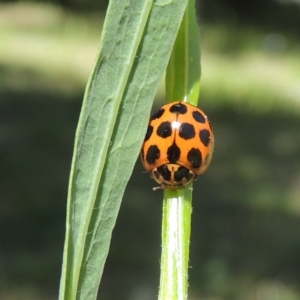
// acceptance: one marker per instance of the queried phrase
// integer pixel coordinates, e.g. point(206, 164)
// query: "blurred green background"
point(245, 242)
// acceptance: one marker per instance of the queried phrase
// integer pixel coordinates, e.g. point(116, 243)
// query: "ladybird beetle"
point(178, 145)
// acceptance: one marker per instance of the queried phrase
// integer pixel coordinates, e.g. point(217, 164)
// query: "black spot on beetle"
point(164, 172)
point(152, 155)
point(148, 133)
point(173, 153)
point(181, 173)
point(178, 108)
point(204, 135)
point(198, 117)
point(164, 129)
point(195, 158)
point(187, 131)
point(157, 114)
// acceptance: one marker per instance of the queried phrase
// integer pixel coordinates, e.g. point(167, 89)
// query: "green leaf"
point(136, 43)
point(183, 73)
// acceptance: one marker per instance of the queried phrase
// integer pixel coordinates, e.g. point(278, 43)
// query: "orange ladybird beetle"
point(178, 145)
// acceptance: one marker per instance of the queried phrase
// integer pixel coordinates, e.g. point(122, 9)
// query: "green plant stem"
point(182, 83)
point(177, 211)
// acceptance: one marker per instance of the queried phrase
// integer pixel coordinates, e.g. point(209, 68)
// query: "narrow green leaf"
point(135, 47)
point(183, 73)
point(107, 84)
point(182, 83)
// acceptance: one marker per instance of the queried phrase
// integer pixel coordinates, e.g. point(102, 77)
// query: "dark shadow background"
point(245, 241)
